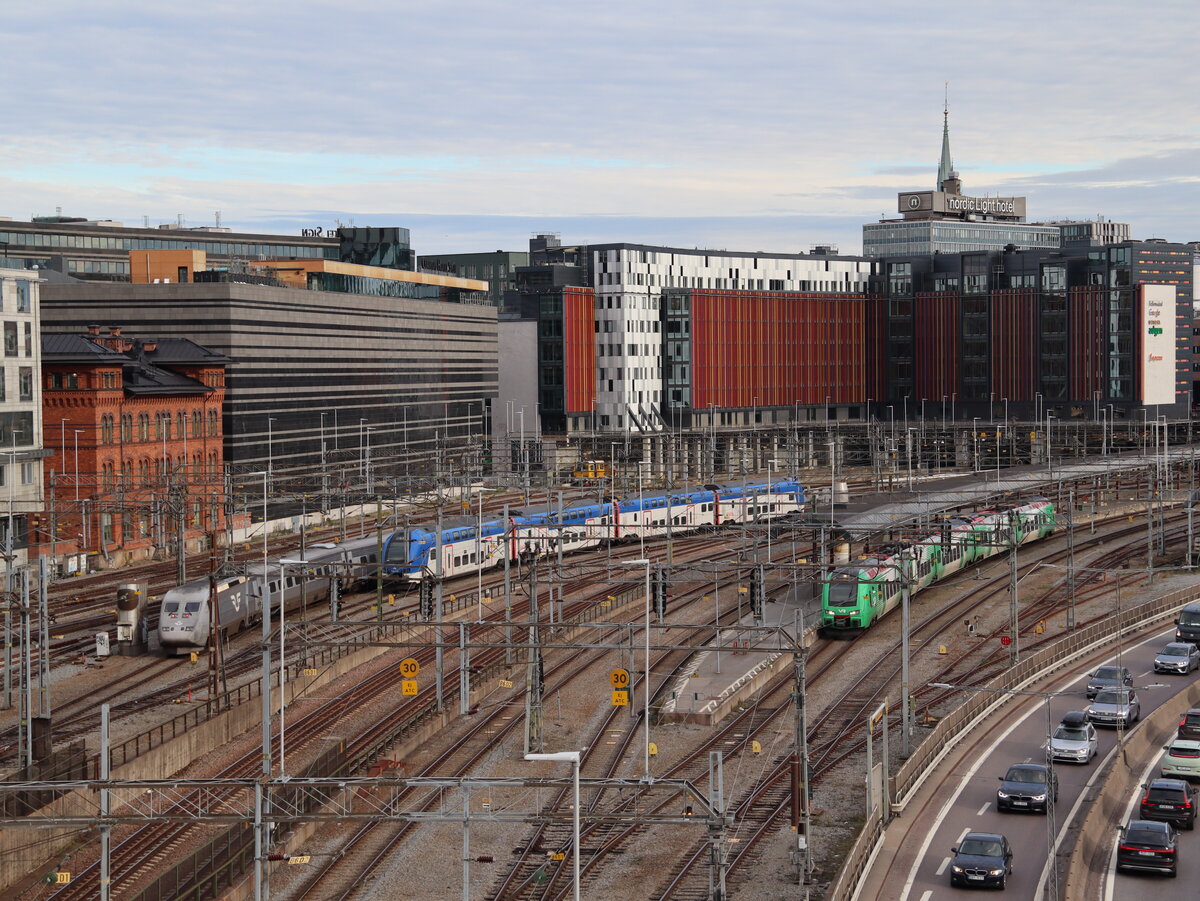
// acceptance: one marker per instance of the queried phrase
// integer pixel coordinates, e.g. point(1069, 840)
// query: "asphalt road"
point(966, 801)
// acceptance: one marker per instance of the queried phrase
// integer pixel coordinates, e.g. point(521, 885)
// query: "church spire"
point(946, 165)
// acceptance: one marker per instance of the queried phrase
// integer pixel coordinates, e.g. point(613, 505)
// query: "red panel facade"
point(753, 348)
point(579, 350)
point(1014, 344)
point(936, 328)
point(1085, 313)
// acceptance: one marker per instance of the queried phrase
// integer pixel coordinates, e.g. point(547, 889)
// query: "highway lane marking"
point(1100, 767)
point(1111, 876)
point(962, 835)
point(940, 871)
point(983, 809)
point(970, 774)
point(949, 804)
point(928, 894)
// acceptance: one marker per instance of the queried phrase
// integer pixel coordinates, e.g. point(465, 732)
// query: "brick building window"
point(143, 426)
point(126, 427)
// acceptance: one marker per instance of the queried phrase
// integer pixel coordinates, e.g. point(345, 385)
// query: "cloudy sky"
point(757, 126)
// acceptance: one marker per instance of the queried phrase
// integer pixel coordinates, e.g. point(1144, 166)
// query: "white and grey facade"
point(629, 279)
point(20, 404)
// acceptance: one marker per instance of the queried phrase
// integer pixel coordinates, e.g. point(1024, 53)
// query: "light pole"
point(77, 431)
point(645, 561)
point(260, 834)
point(975, 441)
point(270, 454)
point(573, 758)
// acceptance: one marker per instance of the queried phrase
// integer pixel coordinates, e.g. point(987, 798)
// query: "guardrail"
point(952, 727)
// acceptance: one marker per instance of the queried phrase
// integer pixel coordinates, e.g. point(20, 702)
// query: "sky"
point(766, 126)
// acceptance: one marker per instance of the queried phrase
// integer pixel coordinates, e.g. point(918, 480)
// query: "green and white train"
point(858, 595)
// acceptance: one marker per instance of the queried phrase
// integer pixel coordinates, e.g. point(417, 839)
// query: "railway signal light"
point(659, 594)
point(756, 592)
point(425, 595)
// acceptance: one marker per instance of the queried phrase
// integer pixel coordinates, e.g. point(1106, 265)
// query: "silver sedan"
point(1177, 657)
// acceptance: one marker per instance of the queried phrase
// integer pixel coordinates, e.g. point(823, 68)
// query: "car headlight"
point(1001, 794)
point(1041, 797)
point(956, 869)
point(999, 871)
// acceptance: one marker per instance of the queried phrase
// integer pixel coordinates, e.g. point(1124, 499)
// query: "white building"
point(629, 279)
point(20, 406)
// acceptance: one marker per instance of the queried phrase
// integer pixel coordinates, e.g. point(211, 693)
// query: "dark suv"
point(1189, 724)
point(981, 858)
point(1146, 845)
point(1108, 677)
point(1169, 800)
point(1027, 786)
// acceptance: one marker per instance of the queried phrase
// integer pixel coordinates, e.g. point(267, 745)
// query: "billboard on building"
point(1158, 344)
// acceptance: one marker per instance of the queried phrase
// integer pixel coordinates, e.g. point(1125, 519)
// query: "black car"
point(1027, 786)
point(1189, 724)
point(1169, 800)
point(1108, 677)
point(981, 858)
point(1147, 845)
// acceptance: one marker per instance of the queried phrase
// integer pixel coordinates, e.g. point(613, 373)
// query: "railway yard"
point(722, 739)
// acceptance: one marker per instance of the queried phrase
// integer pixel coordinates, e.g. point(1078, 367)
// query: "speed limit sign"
point(409, 668)
point(619, 678)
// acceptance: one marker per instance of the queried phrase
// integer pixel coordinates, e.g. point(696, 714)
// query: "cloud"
point(670, 112)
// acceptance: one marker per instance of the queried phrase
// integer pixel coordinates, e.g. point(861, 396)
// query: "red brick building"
point(135, 425)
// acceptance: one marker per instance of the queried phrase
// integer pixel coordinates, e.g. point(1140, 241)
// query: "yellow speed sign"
point(409, 668)
point(619, 678)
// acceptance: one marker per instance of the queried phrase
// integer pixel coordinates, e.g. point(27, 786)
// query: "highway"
point(962, 798)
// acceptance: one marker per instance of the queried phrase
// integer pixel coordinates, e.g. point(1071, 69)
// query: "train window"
point(191, 607)
point(170, 608)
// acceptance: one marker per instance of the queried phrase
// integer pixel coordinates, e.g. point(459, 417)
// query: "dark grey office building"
point(388, 384)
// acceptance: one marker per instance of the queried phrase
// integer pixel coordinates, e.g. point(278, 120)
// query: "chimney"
point(115, 331)
point(150, 345)
point(93, 330)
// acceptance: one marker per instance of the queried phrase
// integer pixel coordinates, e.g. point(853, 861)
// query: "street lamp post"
point(645, 561)
point(77, 431)
point(975, 442)
point(573, 758)
point(270, 453)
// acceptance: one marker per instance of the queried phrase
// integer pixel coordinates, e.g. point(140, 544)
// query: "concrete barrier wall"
point(1106, 811)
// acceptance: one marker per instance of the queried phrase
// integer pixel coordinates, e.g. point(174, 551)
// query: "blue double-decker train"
point(468, 544)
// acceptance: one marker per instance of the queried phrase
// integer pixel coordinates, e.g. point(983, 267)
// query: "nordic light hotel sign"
point(1158, 344)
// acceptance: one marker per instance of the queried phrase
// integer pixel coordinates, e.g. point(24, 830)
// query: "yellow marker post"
point(755, 747)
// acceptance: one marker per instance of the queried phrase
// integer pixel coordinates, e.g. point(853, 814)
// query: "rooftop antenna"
point(218, 218)
point(179, 220)
point(145, 222)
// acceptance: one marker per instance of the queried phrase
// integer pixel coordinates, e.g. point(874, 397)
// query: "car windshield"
point(1068, 733)
point(842, 594)
point(1189, 618)
point(1176, 650)
point(1111, 673)
point(1026, 774)
point(981, 846)
point(1112, 697)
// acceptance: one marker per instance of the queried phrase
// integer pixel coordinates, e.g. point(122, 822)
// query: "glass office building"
point(928, 236)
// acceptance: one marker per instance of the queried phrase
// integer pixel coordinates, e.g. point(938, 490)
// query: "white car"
point(1182, 760)
point(1075, 740)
